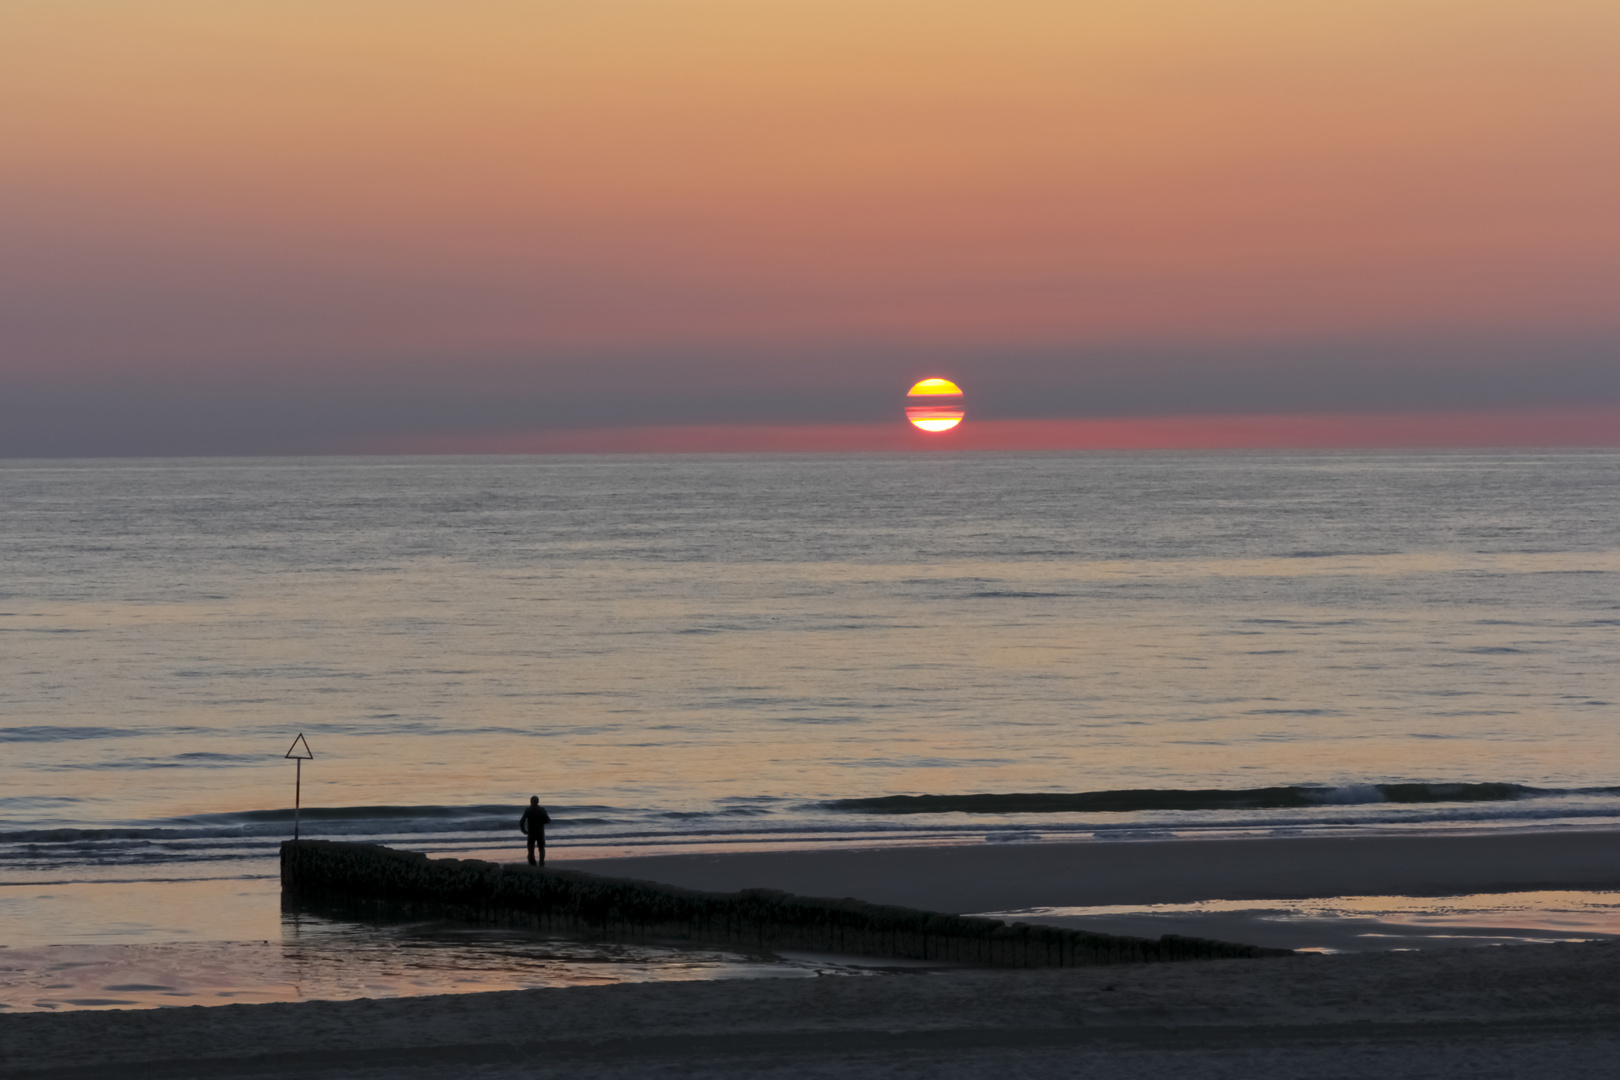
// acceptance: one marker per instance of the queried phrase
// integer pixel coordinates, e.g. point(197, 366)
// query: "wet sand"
point(1529, 1011)
point(1004, 877)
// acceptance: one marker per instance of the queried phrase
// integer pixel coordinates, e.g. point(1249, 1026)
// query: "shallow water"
point(309, 958)
point(1359, 923)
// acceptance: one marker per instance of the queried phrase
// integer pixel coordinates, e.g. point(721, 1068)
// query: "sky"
point(394, 226)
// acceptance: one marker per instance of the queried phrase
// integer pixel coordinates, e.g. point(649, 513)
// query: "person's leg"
point(532, 842)
point(542, 850)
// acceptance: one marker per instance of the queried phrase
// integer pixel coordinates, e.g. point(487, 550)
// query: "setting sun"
point(936, 415)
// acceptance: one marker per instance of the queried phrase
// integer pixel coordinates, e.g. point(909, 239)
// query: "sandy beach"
point(1003, 877)
point(1549, 1010)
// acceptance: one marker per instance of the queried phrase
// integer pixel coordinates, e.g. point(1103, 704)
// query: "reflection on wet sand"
point(1358, 923)
point(320, 959)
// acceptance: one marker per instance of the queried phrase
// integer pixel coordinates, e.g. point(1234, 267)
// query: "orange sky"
point(203, 201)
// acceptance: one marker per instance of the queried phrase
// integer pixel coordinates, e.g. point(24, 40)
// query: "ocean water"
point(701, 653)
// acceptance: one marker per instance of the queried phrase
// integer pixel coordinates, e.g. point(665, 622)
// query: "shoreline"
point(1247, 891)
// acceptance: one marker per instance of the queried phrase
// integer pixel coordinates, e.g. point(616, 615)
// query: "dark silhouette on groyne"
point(367, 879)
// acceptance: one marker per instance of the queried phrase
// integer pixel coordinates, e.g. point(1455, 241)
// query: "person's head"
point(534, 800)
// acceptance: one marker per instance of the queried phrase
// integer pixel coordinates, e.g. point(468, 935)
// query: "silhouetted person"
point(533, 823)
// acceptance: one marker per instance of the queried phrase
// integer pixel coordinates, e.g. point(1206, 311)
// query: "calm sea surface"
point(705, 652)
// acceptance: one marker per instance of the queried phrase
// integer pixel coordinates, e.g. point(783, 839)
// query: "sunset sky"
point(313, 226)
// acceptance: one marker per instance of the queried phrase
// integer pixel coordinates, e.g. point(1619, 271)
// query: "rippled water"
point(707, 651)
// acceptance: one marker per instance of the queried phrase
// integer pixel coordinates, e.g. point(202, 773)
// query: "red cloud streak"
point(1576, 427)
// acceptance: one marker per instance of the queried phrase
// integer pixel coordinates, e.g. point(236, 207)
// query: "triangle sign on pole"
point(298, 780)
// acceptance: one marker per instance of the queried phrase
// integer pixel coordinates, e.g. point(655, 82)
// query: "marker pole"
point(298, 777)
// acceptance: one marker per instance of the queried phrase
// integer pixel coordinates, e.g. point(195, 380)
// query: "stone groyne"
point(370, 879)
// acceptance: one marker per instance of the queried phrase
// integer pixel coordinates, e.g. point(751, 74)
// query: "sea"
point(710, 653)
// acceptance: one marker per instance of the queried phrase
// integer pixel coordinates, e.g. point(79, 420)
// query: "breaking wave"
point(1141, 799)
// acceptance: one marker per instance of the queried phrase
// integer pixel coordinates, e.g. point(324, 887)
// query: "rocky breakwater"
point(367, 879)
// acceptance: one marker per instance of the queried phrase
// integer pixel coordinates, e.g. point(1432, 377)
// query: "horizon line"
point(1583, 427)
